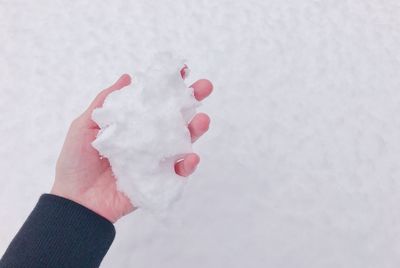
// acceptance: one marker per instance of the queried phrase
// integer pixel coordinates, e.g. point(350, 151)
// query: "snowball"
point(143, 132)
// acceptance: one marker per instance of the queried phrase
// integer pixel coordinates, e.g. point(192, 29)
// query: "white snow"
point(143, 132)
point(301, 167)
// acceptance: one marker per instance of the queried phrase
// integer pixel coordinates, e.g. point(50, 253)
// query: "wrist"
point(83, 201)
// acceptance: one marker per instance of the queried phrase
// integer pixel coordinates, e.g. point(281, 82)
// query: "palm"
point(86, 178)
point(90, 177)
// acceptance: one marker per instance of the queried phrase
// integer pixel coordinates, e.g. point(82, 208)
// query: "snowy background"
point(301, 167)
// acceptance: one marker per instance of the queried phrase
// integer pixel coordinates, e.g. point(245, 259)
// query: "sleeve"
point(60, 233)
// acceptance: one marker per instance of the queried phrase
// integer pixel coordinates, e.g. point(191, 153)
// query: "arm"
point(60, 233)
point(73, 226)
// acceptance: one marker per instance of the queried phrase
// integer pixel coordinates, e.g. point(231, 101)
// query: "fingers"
point(122, 82)
point(199, 125)
point(185, 71)
point(188, 165)
point(202, 88)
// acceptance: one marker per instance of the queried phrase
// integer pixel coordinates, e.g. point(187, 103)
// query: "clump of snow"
point(144, 132)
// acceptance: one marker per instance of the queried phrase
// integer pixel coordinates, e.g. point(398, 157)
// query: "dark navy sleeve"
point(60, 233)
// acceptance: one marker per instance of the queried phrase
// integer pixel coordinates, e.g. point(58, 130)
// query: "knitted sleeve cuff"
point(60, 233)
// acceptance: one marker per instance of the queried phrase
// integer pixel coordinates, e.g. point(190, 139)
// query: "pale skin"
point(86, 178)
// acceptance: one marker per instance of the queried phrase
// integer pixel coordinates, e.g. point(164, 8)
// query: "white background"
point(301, 167)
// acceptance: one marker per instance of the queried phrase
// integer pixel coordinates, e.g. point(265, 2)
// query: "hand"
point(82, 176)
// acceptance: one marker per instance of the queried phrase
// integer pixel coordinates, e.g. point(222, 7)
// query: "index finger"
point(202, 88)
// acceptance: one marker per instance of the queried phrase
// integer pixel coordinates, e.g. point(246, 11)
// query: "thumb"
point(86, 118)
point(122, 82)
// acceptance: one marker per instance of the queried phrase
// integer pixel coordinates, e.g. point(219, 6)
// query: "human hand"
point(86, 178)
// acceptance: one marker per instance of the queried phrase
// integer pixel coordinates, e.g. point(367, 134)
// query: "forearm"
point(60, 233)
